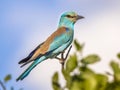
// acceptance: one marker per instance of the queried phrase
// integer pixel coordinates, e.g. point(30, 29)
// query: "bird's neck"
point(66, 23)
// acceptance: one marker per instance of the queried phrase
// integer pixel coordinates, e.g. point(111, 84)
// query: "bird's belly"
point(62, 43)
point(60, 49)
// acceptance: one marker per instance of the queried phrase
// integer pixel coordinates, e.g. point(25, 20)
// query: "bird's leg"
point(62, 59)
point(57, 58)
point(68, 52)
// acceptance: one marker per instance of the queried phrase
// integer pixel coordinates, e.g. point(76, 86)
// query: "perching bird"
point(54, 45)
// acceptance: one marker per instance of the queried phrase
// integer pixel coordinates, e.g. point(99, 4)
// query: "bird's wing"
point(30, 55)
point(57, 39)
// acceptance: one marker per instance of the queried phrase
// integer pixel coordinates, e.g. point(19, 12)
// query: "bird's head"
point(69, 18)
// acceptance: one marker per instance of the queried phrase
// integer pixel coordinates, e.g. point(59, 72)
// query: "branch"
point(2, 85)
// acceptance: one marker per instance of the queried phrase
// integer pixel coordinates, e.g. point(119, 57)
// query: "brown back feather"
point(44, 48)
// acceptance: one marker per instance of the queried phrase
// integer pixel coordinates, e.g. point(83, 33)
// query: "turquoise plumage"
point(54, 45)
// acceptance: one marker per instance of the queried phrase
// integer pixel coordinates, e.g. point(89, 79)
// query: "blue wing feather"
point(62, 39)
point(28, 70)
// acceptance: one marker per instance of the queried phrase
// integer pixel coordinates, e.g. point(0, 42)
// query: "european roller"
point(54, 45)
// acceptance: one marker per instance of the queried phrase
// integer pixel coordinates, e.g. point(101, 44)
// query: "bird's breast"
point(69, 33)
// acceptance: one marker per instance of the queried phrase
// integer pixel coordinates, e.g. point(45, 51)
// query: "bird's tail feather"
point(28, 70)
point(24, 60)
point(30, 55)
point(26, 63)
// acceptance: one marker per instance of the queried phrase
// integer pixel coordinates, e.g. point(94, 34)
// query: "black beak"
point(79, 17)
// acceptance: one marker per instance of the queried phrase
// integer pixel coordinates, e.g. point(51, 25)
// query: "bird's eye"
point(68, 16)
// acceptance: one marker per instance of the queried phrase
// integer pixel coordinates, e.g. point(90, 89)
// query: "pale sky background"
point(25, 24)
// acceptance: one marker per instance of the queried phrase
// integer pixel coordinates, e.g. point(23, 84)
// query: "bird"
point(54, 45)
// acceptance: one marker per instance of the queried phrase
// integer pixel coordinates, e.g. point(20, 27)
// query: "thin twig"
point(2, 85)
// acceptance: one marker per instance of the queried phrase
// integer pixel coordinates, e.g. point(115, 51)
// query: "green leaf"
point(78, 46)
point(7, 78)
point(90, 59)
point(65, 74)
point(118, 55)
point(101, 78)
point(71, 63)
point(115, 67)
point(116, 70)
point(86, 70)
point(76, 85)
point(89, 81)
point(117, 77)
point(55, 83)
point(67, 77)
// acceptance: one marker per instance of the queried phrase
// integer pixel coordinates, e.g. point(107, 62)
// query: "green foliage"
point(71, 63)
point(118, 55)
point(79, 76)
point(55, 82)
point(116, 69)
point(7, 78)
point(90, 59)
point(79, 47)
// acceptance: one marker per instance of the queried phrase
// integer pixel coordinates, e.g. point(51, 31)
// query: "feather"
point(45, 47)
point(28, 70)
point(30, 55)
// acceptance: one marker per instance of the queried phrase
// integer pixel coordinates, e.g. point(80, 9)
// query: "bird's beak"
point(79, 17)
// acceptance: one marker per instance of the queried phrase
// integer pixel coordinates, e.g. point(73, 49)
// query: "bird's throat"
point(67, 24)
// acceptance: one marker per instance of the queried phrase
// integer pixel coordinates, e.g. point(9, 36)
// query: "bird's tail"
point(28, 70)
